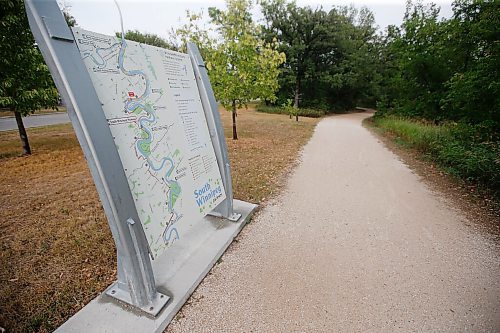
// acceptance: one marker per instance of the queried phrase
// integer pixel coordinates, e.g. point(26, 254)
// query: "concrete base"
point(177, 273)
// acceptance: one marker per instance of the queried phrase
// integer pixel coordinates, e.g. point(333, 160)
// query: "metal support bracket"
point(212, 116)
point(234, 217)
point(56, 43)
point(135, 283)
point(152, 302)
point(153, 308)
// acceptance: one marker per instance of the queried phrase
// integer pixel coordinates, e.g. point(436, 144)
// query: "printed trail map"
point(153, 108)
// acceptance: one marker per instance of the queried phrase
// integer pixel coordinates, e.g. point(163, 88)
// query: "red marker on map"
point(131, 94)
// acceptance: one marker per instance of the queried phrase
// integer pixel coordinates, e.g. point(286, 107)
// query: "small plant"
point(289, 109)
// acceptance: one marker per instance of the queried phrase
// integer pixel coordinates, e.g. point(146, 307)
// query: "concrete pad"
point(177, 273)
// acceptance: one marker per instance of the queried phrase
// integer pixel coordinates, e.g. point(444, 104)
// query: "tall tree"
point(355, 66)
point(445, 69)
point(301, 34)
point(242, 67)
point(193, 30)
point(473, 91)
point(329, 54)
point(25, 82)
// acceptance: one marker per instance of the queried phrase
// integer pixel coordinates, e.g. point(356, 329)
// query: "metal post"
point(225, 208)
point(136, 284)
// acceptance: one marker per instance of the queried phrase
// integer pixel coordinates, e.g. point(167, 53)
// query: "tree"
point(355, 66)
point(147, 38)
point(70, 20)
point(415, 63)
point(195, 31)
point(66, 8)
point(425, 65)
point(300, 32)
point(25, 82)
point(329, 55)
point(443, 70)
point(473, 91)
point(241, 66)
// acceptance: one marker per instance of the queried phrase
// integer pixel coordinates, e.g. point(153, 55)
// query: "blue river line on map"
point(132, 105)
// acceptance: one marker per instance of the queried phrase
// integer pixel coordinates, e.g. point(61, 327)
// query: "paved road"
point(356, 243)
point(9, 123)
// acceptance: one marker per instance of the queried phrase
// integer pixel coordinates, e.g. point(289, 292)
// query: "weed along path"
point(355, 243)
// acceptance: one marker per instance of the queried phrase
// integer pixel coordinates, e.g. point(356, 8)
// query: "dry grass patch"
point(56, 250)
point(268, 145)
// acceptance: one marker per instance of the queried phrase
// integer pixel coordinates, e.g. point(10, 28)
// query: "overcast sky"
point(159, 16)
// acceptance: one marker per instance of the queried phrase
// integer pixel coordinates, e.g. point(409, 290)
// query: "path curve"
point(356, 243)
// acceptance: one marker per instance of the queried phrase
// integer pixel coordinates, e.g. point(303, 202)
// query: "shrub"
point(269, 109)
point(471, 152)
point(311, 113)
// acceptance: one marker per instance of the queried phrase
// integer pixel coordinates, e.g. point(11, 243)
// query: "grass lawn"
point(56, 250)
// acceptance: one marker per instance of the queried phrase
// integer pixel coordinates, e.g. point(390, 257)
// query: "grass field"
point(56, 250)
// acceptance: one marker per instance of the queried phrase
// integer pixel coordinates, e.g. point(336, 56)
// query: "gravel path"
point(356, 243)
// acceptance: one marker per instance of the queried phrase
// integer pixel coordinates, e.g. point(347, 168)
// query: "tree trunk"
point(296, 99)
point(233, 111)
point(22, 134)
point(297, 94)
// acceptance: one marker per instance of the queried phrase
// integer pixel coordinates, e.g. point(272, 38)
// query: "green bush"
point(311, 113)
point(269, 109)
point(471, 152)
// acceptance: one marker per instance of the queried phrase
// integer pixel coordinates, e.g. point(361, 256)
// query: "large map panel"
point(151, 101)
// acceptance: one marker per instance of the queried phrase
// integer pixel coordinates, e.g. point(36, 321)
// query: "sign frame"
point(135, 283)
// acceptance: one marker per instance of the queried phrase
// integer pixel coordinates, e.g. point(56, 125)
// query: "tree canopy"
point(328, 53)
point(432, 68)
point(25, 82)
point(444, 69)
point(242, 67)
point(147, 38)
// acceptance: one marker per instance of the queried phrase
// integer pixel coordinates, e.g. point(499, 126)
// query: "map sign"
point(151, 102)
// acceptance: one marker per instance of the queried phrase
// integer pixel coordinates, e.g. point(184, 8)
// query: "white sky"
point(159, 16)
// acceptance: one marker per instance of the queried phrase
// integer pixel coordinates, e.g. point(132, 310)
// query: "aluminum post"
point(136, 284)
point(225, 208)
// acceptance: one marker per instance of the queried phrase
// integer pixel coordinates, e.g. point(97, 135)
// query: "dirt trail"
point(356, 243)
